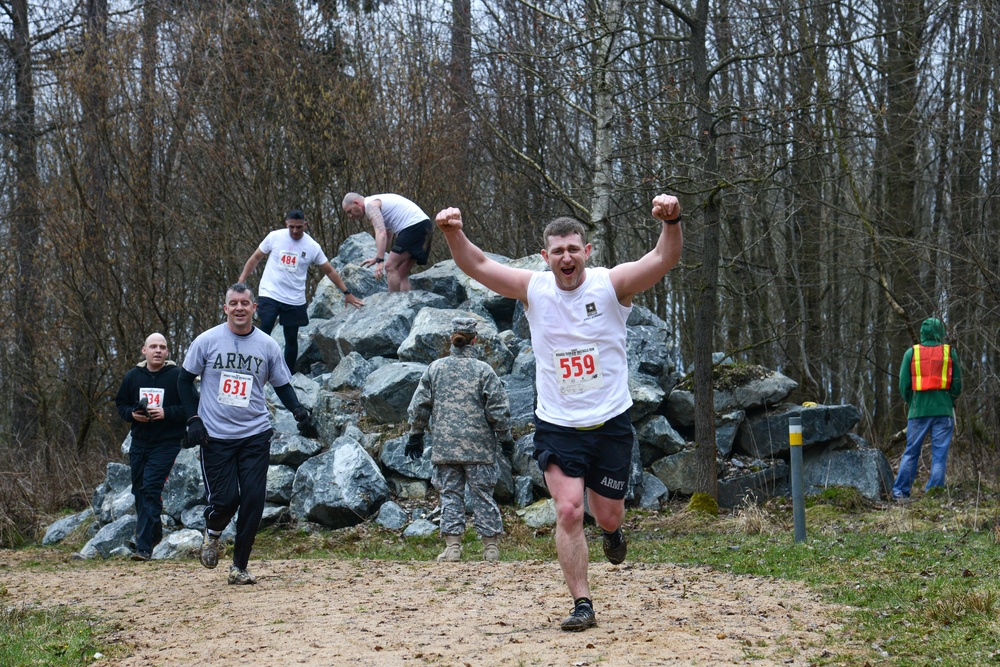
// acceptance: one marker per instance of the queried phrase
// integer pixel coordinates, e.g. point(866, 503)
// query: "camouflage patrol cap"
point(465, 325)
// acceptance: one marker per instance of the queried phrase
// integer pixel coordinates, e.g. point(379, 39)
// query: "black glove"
point(305, 423)
point(196, 433)
point(143, 407)
point(415, 446)
point(507, 445)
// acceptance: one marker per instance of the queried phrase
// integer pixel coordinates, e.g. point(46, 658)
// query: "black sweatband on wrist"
point(379, 260)
point(672, 222)
point(346, 291)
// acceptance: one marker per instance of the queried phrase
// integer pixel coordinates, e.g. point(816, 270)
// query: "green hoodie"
point(936, 402)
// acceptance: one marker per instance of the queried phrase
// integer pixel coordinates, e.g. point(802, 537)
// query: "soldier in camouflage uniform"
point(466, 404)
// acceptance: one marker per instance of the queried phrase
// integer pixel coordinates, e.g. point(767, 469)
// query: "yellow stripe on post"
point(795, 431)
point(795, 463)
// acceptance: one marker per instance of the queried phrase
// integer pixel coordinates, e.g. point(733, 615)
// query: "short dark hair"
point(295, 214)
point(240, 288)
point(564, 226)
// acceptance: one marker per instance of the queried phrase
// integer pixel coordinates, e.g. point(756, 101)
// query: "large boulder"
point(60, 528)
point(678, 472)
point(521, 397)
point(763, 481)
point(184, 487)
point(393, 458)
point(350, 373)
point(765, 434)
point(652, 351)
point(291, 449)
point(430, 339)
point(110, 538)
point(841, 463)
point(387, 391)
point(339, 488)
point(280, 479)
point(117, 479)
point(445, 279)
point(355, 249)
point(378, 329)
point(764, 389)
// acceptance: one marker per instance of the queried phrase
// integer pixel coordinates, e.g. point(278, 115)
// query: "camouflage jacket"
point(462, 402)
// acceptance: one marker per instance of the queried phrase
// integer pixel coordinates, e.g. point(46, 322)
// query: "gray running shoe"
point(212, 549)
point(615, 546)
point(582, 618)
point(239, 577)
point(141, 555)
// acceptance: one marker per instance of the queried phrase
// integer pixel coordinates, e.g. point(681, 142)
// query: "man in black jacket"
point(148, 399)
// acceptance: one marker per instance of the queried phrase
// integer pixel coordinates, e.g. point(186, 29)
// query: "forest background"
point(837, 165)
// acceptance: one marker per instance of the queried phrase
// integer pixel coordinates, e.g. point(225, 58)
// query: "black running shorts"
point(416, 240)
point(602, 456)
point(269, 311)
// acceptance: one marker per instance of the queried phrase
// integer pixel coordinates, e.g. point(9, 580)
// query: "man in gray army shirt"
point(230, 423)
point(465, 403)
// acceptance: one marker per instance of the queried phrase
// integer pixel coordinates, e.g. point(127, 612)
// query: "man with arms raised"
point(230, 423)
point(583, 434)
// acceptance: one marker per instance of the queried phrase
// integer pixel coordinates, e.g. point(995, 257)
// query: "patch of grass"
point(843, 497)
point(917, 582)
point(51, 637)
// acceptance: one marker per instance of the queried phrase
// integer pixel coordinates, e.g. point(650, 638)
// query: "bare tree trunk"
point(706, 281)
point(147, 106)
point(26, 224)
point(92, 288)
point(462, 91)
point(600, 221)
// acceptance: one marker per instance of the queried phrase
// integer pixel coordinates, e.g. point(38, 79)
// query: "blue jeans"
point(941, 430)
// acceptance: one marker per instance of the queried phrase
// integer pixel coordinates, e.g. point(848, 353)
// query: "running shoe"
point(212, 549)
point(582, 618)
point(239, 577)
point(615, 546)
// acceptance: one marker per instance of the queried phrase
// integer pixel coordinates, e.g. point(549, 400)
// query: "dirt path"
point(324, 612)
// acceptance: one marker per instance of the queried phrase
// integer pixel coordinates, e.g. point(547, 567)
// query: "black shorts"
point(602, 456)
point(416, 240)
point(269, 311)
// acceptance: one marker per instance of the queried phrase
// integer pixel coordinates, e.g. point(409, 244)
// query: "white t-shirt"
point(578, 337)
point(233, 371)
point(288, 261)
point(398, 212)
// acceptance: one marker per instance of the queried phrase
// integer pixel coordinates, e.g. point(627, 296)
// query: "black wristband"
point(379, 260)
point(672, 222)
point(346, 291)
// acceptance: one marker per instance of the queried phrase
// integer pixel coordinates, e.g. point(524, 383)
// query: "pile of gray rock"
point(357, 370)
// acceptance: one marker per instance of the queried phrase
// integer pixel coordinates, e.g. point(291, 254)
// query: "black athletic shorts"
point(602, 456)
point(269, 311)
point(416, 240)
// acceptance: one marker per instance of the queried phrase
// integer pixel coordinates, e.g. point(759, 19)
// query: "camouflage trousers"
point(450, 481)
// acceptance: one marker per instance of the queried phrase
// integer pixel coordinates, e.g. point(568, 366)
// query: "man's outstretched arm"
point(504, 280)
point(631, 278)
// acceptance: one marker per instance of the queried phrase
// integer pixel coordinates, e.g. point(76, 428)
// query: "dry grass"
point(36, 486)
point(754, 519)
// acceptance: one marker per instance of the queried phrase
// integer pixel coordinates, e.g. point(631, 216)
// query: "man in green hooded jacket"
point(930, 379)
